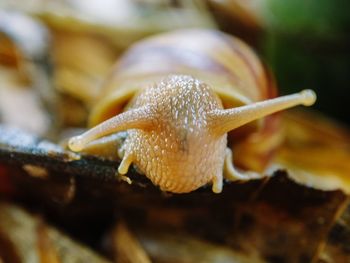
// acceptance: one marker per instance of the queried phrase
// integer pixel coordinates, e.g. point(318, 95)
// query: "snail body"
point(178, 95)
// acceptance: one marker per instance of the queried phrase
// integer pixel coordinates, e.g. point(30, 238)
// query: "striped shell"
point(224, 62)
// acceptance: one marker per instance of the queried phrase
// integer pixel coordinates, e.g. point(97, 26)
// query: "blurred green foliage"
point(307, 44)
point(311, 18)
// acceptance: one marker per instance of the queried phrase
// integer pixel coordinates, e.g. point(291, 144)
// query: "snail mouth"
point(185, 185)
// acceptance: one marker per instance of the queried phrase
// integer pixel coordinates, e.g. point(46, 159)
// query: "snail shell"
point(178, 95)
point(223, 62)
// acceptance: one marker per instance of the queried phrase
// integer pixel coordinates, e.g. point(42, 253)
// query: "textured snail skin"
point(177, 125)
point(180, 153)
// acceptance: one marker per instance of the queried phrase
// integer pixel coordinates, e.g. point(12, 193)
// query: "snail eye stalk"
point(223, 121)
point(140, 118)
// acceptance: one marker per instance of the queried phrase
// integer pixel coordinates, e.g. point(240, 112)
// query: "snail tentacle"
point(217, 184)
point(139, 118)
point(223, 121)
point(125, 164)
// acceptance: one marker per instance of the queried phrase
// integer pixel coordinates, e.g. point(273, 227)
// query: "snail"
point(178, 95)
